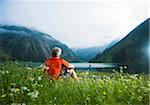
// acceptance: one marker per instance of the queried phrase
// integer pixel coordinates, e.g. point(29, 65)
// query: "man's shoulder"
point(48, 59)
point(54, 59)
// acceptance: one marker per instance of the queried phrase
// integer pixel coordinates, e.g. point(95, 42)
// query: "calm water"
point(105, 67)
point(80, 66)
point(93, 65)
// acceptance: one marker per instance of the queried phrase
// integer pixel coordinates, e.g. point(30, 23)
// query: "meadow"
point(23, 85)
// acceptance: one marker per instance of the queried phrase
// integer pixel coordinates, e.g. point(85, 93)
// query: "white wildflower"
point(3, 72)
point(12, 90)
point(135, 75)
point(31, 79)
point(125, 67)
point(40, 78)
point(93, 76)
point(34, 94)
point(28, 68)
point(41, 85)
point(7, 72)
point(121, 67)
point(24, 88)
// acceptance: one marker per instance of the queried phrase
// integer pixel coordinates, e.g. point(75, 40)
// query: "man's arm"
point(71, 66)
point(67, 64)
point(71, 69)
point(45, 68)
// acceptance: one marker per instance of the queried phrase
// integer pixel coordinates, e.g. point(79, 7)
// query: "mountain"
point(87, 54)
point(113, 43)
point(23, 44)
point(131, 50)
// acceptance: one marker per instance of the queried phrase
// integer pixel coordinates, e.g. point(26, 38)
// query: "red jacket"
point(55, 65)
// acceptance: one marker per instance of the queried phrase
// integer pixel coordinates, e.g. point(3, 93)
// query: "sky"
point(76, 23)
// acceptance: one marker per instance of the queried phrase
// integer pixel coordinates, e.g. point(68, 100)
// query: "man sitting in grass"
point(57, 68)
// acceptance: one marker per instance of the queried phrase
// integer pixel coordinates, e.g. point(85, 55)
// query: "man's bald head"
point(56, 52)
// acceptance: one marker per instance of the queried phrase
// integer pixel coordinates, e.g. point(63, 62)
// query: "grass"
point(21, 85)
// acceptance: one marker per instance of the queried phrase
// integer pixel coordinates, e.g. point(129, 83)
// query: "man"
point(56, 67)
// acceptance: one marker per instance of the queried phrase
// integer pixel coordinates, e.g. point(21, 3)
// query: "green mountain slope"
point(21, 43)
point(131, 50)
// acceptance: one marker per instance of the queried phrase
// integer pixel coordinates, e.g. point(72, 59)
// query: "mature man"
point(56, 67)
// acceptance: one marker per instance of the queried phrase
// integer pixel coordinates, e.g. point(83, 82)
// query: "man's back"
point(55, 65)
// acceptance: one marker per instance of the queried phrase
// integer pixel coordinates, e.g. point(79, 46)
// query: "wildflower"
point(87, 73)
point(34, 94)
point(11, 94)
point(28, 90)
point(55, 98)
point(51, 102)
point(3, 72)
point(113, 70)
point(121, 67)
point(14, 90)
point(104, 93)
point(41, 85)
point(138, 90)
point(40, 78)
point(17, 89)
point(135, 75)
point(88, 98)
point(140, 98)
point(24, 88)
point(28, 68)
point(2, 90)
point(93, 76)
point(6, 72)
point(31, 79)
point(148, 84)
point(4, 95)
point(106, 77)
point(14, 104)
point(125, 67)
point(121, 70)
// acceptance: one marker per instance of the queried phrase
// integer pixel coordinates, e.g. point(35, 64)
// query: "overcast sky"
point(77, 23)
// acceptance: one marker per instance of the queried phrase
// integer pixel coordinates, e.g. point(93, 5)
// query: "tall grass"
point(21, 85)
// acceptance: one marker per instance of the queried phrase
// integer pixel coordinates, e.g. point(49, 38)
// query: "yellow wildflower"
point(4, 95)
point(104, 93)
point(17, 89)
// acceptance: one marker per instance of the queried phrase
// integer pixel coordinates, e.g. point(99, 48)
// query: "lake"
point(83, 66)
point(93, 65)
point(99, 66)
